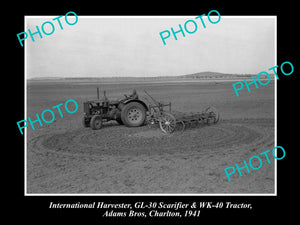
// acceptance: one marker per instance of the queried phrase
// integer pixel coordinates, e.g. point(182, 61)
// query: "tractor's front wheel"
point(96, 122)
point(85, 122)
point(133, 114)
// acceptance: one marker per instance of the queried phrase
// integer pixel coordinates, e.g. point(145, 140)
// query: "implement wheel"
point(180, 126)
point(212, 115)
point(167, 123)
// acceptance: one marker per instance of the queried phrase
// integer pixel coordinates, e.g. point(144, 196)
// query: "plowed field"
point(64, 157)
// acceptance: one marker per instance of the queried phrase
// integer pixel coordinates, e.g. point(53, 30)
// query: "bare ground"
point(64, 157)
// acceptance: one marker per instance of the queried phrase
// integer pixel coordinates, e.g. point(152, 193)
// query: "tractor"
point(130, 111)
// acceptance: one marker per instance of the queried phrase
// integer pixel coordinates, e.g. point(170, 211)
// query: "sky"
point(131, 46)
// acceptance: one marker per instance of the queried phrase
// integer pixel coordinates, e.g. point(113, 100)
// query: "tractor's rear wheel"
point(133, 114)
point(96, 122)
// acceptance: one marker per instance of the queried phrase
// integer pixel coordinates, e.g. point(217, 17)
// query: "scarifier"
point(169, 120)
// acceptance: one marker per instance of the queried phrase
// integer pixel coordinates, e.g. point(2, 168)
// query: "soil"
point(64, 157)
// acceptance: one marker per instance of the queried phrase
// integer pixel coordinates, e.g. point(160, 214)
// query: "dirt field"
point(64, 157)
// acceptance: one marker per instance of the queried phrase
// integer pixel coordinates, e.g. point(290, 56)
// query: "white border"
point(25, 105)
point(143, 194)
point(275, 109)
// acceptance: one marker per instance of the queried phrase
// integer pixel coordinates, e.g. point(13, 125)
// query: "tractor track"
point(118, 159)
point(122, 141)
point(63, 157)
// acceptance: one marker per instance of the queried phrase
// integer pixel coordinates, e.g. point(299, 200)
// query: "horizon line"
point(210, 73)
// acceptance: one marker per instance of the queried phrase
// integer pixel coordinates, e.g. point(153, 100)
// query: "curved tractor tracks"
point(122, 141)
point(121, 159)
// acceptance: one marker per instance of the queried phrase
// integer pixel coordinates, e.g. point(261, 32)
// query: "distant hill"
point(214, 75)
point(202, 75)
